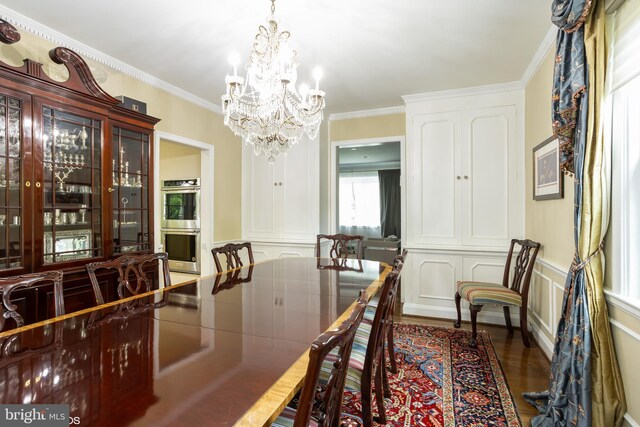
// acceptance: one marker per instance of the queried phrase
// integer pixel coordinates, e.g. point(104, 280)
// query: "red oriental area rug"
point(442, 381)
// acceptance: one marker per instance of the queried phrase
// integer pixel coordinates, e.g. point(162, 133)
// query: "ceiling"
point(376, 156)
point(371, 51)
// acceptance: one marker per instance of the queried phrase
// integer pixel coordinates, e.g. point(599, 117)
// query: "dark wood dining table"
point(229, 349)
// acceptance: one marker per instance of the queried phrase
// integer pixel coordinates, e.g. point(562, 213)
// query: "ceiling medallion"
point(265, 108)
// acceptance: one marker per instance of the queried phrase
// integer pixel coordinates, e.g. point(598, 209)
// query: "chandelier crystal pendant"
point(265, 109)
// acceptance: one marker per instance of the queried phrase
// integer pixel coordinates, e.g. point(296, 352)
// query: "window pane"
point(359, 199)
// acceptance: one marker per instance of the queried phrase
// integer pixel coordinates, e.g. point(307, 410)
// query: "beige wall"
point(178, 161)
point(551, 223)
point(178, 117)
point(368, 127)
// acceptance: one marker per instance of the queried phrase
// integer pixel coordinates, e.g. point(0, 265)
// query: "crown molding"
point(60, 39)
point(544, 48)
point(367, 113)
point(468, 91)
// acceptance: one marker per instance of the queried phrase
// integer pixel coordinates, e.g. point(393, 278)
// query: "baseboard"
point(629, 419)
point(541, 339)
point(489, 317)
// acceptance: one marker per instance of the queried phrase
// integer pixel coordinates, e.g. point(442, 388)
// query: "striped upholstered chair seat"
point(481, 293)
point(356, 359)
point(287, 418)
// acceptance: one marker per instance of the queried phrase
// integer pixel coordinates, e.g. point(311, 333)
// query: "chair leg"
point(391, 349)
point(382, 416)
point(385, 379)
point(523, 327)
point(474, 309)
point(456, 324)
point(507, 318)
point(365, 395)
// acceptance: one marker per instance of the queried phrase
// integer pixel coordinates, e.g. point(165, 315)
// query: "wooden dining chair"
point(325, 409)
point(366, 361)
point(515, 294)
point(8, 285)
point(231, 252)
point(132, 278)
point(342, 245)
point(371, 307)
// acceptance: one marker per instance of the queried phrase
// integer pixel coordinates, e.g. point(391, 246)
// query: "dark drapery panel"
point(389, 202)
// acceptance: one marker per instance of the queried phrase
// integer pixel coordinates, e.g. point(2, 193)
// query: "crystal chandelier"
point(265, 108)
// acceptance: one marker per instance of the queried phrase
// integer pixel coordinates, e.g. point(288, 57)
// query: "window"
point(359, 203)
point(624, 114)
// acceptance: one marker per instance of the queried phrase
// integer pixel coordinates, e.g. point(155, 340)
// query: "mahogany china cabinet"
point(75, 177)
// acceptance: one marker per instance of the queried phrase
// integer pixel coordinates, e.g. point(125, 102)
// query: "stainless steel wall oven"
point(183, 247)
point(180, 224)
point(181, 204)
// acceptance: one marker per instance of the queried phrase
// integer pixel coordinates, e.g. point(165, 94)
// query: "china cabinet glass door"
point(72, 181)
point(130, 195)
point(11, 204)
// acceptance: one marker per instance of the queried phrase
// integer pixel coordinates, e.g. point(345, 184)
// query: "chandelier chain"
point(273, 6)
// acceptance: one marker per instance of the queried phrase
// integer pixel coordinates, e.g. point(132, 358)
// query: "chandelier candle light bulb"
point(267, 111)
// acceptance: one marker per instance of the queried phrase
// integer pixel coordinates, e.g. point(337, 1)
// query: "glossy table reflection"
point(224, 350)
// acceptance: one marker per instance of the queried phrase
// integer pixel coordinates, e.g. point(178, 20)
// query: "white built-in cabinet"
point(465, 194)
point(281, 201)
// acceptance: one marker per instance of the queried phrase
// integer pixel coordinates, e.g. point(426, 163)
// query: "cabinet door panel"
point(15, 164)
point(483, 269)
point(434, 278)
point(299, 197)
point(130, 198)
point(71, 176)
point(261, 188)
point(486, 176)
point(434, 202)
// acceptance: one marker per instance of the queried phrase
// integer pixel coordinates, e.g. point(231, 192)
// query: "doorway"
point(367, 187)
point(174, 155)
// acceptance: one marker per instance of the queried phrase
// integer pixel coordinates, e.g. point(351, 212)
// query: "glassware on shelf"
point(83, 212)
point(124, 212)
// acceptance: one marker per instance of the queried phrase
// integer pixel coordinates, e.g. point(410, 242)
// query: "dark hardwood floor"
point(526, 369)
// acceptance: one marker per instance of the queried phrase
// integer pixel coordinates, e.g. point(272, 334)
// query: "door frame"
point(206, 195)
point(333, 190)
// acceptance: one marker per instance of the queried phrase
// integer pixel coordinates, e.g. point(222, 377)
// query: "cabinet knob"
point(27, 184)
point(280, 184)
point(458, 177)
point(466, 177)
point(38, 184)
point(110, 190)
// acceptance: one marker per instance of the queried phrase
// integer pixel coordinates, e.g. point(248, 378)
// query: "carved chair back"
point(231, 252)
point(10, 284)
point(131, 275)
point(523, 267)
point(341, 245)
point(328, 409)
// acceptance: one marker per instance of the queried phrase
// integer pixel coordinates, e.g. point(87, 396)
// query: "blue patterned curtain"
point(568, 400)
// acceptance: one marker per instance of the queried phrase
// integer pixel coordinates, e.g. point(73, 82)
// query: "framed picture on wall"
point(548, 182)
